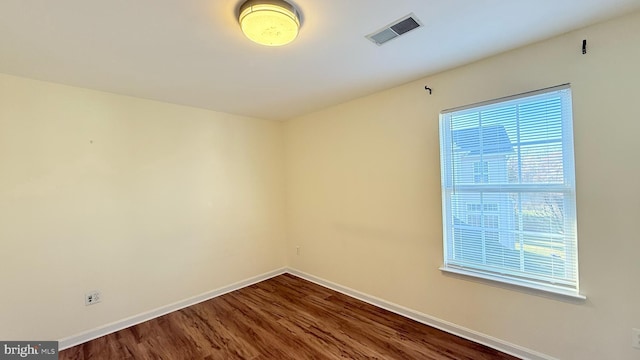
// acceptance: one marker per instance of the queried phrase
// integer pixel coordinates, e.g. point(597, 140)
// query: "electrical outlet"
point(92, 297)
point(635, 338)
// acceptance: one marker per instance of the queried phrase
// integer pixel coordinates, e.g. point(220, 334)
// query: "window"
point(481, 172)
point(489, 218)
point(508, 191)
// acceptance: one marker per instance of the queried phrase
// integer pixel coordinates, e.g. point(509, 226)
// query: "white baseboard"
point(511, 349)
point(140, 318)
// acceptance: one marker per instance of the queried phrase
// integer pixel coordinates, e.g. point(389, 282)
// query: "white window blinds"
point(508, 190)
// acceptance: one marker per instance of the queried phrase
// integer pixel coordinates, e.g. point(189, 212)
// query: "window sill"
point(525, 284)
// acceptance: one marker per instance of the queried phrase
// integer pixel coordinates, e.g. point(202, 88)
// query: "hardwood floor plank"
point(281, 318)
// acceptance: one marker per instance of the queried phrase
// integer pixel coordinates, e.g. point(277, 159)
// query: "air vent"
point(395, 29)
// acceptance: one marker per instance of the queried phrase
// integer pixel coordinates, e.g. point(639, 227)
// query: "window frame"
point(568, 189)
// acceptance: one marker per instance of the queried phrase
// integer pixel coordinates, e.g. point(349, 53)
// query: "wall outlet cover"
point(92, 297)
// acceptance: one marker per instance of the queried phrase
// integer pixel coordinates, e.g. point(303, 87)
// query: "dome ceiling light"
point(269, 22)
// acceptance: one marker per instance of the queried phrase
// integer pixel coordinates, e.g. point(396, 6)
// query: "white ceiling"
point(192, 52)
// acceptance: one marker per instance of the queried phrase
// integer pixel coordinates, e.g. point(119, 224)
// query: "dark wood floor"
point(281, 318)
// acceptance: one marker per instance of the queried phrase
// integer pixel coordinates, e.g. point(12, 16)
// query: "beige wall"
point(363, 195)
point(151, 203)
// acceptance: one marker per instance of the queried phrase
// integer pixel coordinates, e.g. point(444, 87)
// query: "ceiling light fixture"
point(269, 22)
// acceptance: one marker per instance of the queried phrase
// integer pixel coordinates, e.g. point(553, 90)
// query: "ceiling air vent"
point(395, 29)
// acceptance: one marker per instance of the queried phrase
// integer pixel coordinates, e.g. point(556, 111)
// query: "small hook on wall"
point(428, 89)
